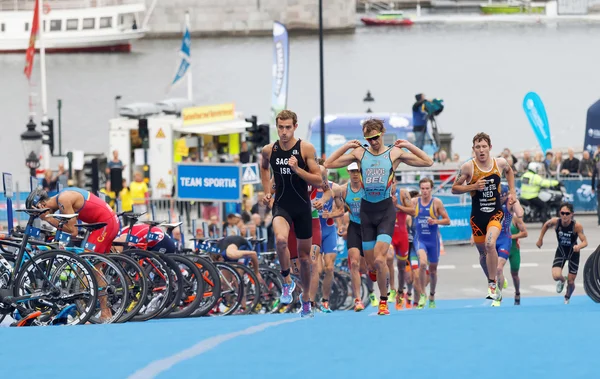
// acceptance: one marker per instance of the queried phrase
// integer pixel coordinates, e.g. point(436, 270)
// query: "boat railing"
point(27, 5)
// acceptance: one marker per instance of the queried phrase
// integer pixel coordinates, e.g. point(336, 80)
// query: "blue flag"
point(185, 56)
point(536, 113)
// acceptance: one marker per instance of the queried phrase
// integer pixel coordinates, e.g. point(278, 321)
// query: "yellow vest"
point(530, 185)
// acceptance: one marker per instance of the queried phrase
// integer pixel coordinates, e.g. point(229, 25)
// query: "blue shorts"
point(431, 247)
point(329, 240)
point(503, 244)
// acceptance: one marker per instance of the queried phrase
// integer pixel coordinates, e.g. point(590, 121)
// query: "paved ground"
point(460, 275)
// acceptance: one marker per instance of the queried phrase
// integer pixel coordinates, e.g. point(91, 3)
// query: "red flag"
point(31, 49)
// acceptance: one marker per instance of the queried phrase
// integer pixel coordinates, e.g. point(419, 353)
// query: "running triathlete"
point(352, 195)
point(512, 213)
point(378, 163)
point(400, 239)
point(89, 209)
point(430, 212)
point(294, 168)
point(567, 232)
point(483, 175)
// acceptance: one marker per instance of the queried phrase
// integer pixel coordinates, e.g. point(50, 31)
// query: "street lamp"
point(32, 146)
point(369, 99)
point(321, 80)
point(117, 98)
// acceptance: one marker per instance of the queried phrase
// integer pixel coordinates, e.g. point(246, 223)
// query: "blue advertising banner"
point(459, 229)
point(206, 182)
point(592, 128)
point(536, 113)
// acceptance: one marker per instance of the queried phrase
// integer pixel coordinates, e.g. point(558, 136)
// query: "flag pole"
point(189, 71)
point(42, 59)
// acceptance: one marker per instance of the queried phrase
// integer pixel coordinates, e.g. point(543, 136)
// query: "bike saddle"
point(64, 217)
point(171, 225)
point(34, 211)
point(131, 215)
point(151, 222)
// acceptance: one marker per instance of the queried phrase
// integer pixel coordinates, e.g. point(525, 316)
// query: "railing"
point(27, 5)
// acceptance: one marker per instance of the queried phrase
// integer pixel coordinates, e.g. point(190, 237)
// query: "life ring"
point(46, 8)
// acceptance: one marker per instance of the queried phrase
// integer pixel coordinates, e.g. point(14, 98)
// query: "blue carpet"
point(461, 338)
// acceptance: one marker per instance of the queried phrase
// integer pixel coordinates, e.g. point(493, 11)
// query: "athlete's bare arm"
point(522, 228)
point(313, 174)
point(510, 178)
point(407, 206)
point(338, 159)
point(265, 172)
point(415, 157)
point(516, 209)
point(66, 206)
point(440, 210)
point(579, 230)
point(327, 193)
point(547, 225)
point(464, 176)
point(338, 201)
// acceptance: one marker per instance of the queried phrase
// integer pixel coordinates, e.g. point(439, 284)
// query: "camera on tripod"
point(434, 107)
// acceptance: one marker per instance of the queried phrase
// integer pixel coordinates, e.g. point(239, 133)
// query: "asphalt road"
point(460, 275)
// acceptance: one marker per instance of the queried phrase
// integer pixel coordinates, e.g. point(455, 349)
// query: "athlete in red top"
point(400, 238)
point(158, 241)
point(89, 209)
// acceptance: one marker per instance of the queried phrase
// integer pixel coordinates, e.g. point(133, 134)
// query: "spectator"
point(230, 227)
point(548, 162)
point(126, 198)
point(244, 154)
point(570, 165)
point(213, 227)
point(246, 210)
point(49, 183)
point(524, 163)
point(507, 153)
point(597, 154)
point(419, 120)
point(456, 158)
point(586, 165)
point(139, 192)
point(443, 156)
point(111, 196)
point(260, 207)
point(257, 220)
point(555, 164)
point(539, 158)
point(436, 157)
point(115, 162)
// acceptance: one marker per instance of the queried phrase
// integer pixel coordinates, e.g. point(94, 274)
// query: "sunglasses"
point(373, 138)
point(565, 213)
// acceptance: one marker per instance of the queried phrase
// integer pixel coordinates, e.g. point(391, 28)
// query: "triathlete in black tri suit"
point(567, 232)
point(234, 248)
point(294, 168)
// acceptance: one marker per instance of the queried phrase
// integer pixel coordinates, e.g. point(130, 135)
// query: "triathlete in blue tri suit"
point(504, 241)
point(430, 213)
point(377, 212)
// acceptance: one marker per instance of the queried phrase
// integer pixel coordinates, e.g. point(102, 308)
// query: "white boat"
point(73, 25)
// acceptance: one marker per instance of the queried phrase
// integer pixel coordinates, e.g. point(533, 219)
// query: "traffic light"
point(143, 128)
point(48, 134)
point(91, 171)
point(253, 130)
point(264, 134)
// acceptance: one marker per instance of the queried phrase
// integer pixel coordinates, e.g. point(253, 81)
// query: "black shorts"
point(300, 218)
point(354, 237)
point(166, 246)
point(561, 257)
point(377, 220)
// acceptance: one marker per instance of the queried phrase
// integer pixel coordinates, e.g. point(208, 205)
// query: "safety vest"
point(530, 185)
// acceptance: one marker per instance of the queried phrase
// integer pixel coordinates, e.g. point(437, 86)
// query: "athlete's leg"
point(329, 260)
point(491, 253)
point(380, 254)
point(482, 258)
point(515, 264)
point(401, 263)
point(316, 270)
point(304, 249)
point(557, 268)
point(392, 277)
point(281, 229)
point(354, 261)
point(573, 269)
point(433, 280)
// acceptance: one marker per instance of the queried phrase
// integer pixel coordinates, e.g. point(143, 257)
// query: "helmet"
point(535, 167)
point(35, 197)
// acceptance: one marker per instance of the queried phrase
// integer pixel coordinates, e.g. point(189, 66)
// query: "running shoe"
point(392, 296)
point(383, 308)
point(505, 284)
point(518, 299)
point(493, 292)
point(373, 276)
point(286, 293)
point(432, 304)
point(567, 300)
point(399, 301)
point(422, 301)
point(307, 310)
point(373, 299)
point(409, 301)
point(560, 286)
point(496, 303)
point(325, 307)
point(358, 305)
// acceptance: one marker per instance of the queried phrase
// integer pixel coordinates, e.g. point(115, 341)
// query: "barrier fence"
point(196, 216)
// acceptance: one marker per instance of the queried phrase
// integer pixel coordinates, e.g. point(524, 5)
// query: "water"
point(481, 71)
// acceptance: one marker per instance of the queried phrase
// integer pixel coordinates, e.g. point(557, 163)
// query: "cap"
point(353, 166)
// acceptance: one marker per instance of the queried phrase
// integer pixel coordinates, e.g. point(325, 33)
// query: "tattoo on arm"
point(265, 159)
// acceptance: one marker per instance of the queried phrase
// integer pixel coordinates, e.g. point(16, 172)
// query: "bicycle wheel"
point(271, 291)
point(232, 290)
point(192, 286)
point(591, 271)
point(113, 294)
point(251, 295)
point(160, 281)
point(136, 285)
point(212, 285)
point(176, 289)
point(64, 282)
